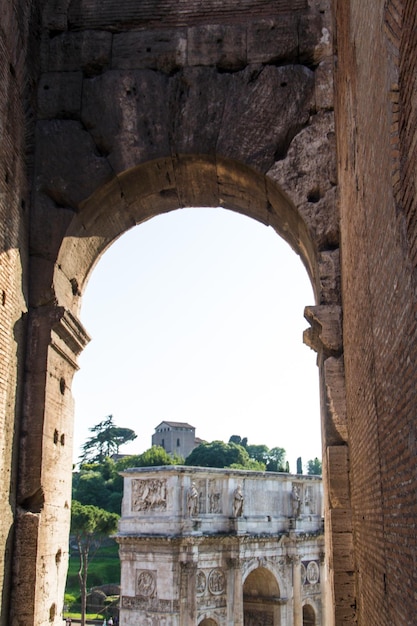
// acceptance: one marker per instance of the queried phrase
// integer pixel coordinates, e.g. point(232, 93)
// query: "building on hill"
point(176, 438)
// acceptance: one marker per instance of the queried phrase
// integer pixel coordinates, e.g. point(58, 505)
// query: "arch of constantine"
point(227, 547)
point(297, 113)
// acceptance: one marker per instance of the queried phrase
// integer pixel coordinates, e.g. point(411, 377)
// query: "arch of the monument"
point(208, 622)
point(261, 594)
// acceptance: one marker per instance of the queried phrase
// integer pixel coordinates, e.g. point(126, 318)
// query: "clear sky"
point(197, 316)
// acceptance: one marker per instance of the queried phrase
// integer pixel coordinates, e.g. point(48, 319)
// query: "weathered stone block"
point(59, 95)
point(329, 273)
point(197, 95)
point(315, 32)
point(196, 181)
point(162, 50)
point(221, 45)
point(273, 40)
point(284, 94)
point(338, 476)
point(335, 422)
point(325, 334)
point(88, 50)
point(340, 520)
point(74, 168)
point(126, 113)
point(324, 86)
point(55, 16)
point(240, 187)
point(308, 174)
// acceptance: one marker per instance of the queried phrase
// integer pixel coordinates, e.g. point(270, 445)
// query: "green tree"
point(99, 484)
point(276, 460)
point(238, 439)
point(156, 455)
point(314, 467)
point(90, 525)
point(250, 464)
point(299, 466)
point(105, 441)
point(91, 489)
point(218, 454)
point(258, 453)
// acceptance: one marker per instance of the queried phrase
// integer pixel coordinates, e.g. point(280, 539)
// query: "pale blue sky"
point(197, 316)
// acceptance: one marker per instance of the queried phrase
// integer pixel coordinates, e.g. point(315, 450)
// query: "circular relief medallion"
point(303, 573)
point(313, 573)
point(216, 581)
point(146, 584)
point(201, 582)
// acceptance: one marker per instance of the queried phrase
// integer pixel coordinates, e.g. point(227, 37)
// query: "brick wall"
point(15, 146)
point(378, 251)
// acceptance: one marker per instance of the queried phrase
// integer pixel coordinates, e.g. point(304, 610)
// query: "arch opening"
point(261, 596)
point(309, 616)
point(212, 280)
point(108, 215)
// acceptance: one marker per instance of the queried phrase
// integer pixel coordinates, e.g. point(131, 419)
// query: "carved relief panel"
point(310, 576)
point(309, 501)
point(149, 494)
point(215, 496)
point(146, 584)
point(211, 588)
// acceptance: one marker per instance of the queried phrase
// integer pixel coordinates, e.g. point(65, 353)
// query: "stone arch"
point(261, 594)
point(207, 621)
point(166, 184)
point(269, 566)
point(129, 198)
point(128, 141)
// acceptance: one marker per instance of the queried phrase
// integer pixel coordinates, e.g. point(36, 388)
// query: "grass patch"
point(104, 568)
point(77, 616)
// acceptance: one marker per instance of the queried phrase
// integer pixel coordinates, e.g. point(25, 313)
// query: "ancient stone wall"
point(17, 74)
point(376, 99)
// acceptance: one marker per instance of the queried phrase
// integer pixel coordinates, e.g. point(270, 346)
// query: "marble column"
point(296, 581)
point(188, 595)
point(234, 593)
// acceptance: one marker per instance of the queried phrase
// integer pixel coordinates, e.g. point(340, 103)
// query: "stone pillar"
point(325, 337)
point(55, 338)
point(296, 584)
point(188, 593)
point(234, 593)
point(323, 585)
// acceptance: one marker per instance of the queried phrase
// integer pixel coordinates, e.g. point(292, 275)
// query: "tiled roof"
point(176, 424)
